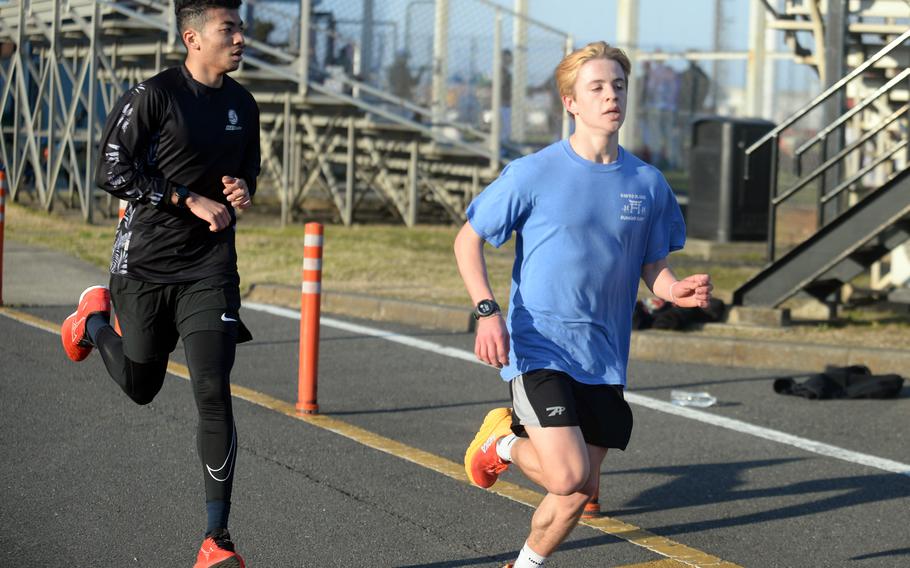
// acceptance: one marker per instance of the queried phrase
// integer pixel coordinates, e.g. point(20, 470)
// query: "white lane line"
point(806, 444)
point(768, 434)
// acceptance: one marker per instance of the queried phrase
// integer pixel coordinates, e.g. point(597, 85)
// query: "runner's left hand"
point(692, 291)
point(237, 192)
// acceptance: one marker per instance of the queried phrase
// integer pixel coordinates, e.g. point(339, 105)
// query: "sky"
point(670, 25)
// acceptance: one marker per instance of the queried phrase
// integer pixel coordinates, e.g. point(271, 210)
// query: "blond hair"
point(567, 70)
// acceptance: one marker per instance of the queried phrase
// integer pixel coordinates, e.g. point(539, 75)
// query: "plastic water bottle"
point(689, 398)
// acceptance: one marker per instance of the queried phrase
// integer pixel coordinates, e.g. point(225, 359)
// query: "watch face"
point(485, 308)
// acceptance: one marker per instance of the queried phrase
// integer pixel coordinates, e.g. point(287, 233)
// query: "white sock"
point(504, 447)
point(527, 558)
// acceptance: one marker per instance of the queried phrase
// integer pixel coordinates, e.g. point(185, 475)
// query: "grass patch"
point(385, 260)
point(415, 264)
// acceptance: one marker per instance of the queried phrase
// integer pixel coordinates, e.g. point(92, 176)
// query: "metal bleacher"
point(336, 142)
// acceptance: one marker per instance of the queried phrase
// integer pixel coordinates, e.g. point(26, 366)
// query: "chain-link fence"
point(444, 71)
point(481, 36)
point(445, 66)
point(676, 89)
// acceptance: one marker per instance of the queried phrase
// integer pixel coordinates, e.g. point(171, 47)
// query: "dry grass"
point(385, 260)
point(415, 264)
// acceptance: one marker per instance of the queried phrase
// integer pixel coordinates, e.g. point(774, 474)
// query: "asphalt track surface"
point(90, 479)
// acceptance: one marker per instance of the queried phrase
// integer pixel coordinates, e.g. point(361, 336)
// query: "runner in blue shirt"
point(590, 220)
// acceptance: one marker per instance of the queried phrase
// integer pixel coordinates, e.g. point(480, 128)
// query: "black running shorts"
point(152, 316)
point(549, 398)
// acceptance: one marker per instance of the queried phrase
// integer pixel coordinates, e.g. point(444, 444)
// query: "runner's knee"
point(566, 481)
point(144, 380)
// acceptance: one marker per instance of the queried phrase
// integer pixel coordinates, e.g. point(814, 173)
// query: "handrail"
point(840, 155)
point(524, 17)
point(384, 95)
point(869, 167)
point(479, 151)
point(824, 132)
point(828, 92)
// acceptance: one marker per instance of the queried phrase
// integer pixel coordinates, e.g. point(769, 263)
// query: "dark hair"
point(194, 10)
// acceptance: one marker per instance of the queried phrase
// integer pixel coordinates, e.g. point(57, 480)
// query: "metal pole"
point(171, 26)
point(303, 61)
point(412, 186)
point(90, 126)
point(285, 162)
point(716, 46)
point(627, 38)
point(755, 74)
point(366, 41)
point(772, 208)
point(15, 173)
point(769, 82)
point(347, 216)
point(566, 127)
point(51, 105)
point(495, 117)
point(440, 60)
point(519, 71)
point(835, 61)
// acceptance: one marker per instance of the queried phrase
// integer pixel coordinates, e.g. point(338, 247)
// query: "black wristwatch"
point(182, 193)
point(486, 308)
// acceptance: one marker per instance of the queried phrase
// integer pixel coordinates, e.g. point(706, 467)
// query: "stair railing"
point(773, 137)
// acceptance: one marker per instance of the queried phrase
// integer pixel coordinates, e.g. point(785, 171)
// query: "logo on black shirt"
point(233, 119)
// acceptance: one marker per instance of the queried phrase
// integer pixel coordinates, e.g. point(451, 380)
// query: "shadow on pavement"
point(510, 556)
point(499, 401)
point(882, 554)
point(706, 484)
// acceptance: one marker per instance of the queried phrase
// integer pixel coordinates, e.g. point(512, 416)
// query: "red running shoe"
point(481, 461)
point(217, 551)
point(94, 300)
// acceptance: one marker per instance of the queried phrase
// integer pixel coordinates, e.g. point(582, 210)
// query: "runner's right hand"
point(210, 211)
point(492, 343)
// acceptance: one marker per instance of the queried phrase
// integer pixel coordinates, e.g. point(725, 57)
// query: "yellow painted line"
point(679, 554)
point(31, 320)
point(665, 563)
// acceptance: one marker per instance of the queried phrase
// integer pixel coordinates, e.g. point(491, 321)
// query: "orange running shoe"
point(94, 300)
point(217, 551)
point(592, 509)
point(481, 461)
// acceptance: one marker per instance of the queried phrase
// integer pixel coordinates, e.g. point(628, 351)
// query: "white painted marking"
point(312, 240)
point(312, 264)
point(806, 444)
point(769, 434)
point(310, 288)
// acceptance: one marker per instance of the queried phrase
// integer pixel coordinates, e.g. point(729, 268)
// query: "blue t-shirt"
point(584, 230)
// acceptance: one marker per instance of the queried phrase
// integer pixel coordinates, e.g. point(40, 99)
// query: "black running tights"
point(210, 357)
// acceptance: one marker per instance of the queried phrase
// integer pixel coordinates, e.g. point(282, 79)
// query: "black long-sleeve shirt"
point(172, 131)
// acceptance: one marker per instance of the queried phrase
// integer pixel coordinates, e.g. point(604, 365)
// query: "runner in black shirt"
point(183, 149)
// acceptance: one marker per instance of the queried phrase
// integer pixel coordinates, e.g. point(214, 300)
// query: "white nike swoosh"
point(225, 318)
point(227, 461)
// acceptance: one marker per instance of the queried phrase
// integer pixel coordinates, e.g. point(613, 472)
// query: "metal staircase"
point(339, 146)
point(854, 172)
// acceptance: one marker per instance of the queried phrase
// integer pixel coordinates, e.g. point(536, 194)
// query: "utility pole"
point(717, 68)
point(627, 39)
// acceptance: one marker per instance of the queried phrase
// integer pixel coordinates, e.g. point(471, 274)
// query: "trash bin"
point(723, 206)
